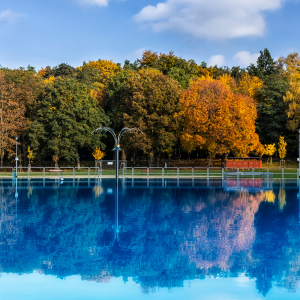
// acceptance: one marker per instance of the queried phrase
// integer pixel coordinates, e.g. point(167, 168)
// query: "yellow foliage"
point(42, 72)
point(105, 69)
point(270, 196)
point(98, 154)
point(249, 85)
point(281, 198)
point(282, 147)
point(50, 80)
point(30, 155)
point(270, 149)
point(229, 82)
point(291, 70)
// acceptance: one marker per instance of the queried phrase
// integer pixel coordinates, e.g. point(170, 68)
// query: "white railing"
point(141, 172)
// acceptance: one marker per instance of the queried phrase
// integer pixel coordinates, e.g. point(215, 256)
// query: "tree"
point(66, 118)
point(290, 68)
point(149, 101)
point(96, 75)
point(98, 154)
point(181, 76)
point(62, 70)
point(270, 150)
point(272, 118)
point(12, 120)
point(30, 156)
point(282, 147)
point(265, 65)
point(218, 120)
point(27, 90)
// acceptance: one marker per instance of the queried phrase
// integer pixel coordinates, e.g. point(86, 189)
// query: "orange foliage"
point(218, 120)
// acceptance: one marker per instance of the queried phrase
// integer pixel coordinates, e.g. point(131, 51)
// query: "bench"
point(57, 170)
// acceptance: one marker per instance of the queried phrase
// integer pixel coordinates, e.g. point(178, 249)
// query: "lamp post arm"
point(124, 130)
point(105, 129)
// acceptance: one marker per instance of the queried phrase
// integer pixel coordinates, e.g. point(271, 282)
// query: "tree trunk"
point(157, 161)
point(123, 154)
point(133, 156)
point(2, 158)
point(78, 162)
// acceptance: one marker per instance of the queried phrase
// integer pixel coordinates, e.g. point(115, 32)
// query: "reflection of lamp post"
point(16, 197)
point(116, 242)
point(299, 149)
point(16, 137)
point(117, 143)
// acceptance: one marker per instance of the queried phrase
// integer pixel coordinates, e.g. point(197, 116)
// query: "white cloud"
point(213, 19)
point(94, 2)
point(245, 58)
point(218, 60)
point(8, 16)
point(137, 54)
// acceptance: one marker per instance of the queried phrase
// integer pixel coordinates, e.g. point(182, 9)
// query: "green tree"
point(272, 119)
point(65, 120)
point(149, 101)
point(265, 65)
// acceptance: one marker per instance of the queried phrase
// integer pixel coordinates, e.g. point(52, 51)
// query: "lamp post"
point(117, 143)
point(16, 137)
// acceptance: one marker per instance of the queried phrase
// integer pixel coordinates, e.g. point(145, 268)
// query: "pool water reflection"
point(158, 242)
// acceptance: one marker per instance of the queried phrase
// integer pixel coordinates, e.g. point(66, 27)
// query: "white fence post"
point(282, 173)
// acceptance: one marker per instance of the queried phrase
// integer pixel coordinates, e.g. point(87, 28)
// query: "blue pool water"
point(84, 239)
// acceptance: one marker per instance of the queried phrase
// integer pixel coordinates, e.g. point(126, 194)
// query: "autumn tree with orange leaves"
point(218, 120)
point(12, 119)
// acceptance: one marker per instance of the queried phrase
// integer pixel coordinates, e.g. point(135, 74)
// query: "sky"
point(37, 286)
point(230, 33)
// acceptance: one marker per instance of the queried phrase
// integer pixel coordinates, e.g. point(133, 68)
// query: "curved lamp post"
point(117, 143)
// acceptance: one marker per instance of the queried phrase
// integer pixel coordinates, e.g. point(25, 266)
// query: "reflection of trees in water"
point(276, 248)
point(219, 230)
point(177, 235)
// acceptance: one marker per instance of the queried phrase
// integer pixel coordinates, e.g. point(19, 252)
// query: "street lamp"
point(16, 137)
point(117, 143)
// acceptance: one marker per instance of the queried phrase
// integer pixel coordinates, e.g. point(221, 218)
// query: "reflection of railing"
point(248, 180)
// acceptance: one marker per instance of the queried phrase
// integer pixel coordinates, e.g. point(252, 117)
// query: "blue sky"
point(223, 32)
point(37, 286)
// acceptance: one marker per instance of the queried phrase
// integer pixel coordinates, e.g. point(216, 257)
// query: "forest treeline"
point(185, 110)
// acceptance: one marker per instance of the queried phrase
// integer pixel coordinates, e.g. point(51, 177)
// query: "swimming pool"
point(84, 239)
